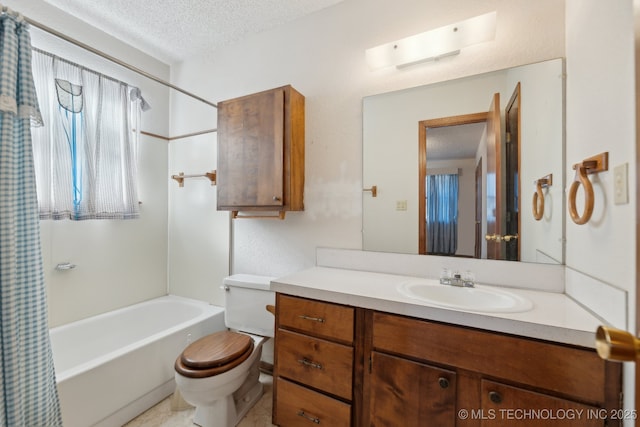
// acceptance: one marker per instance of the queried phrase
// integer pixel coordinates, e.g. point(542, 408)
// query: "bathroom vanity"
point(353, 351)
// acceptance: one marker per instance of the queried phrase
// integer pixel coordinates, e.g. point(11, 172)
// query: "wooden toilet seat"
point(214, 354)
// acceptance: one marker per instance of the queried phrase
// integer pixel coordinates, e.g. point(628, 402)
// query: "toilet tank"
point(246, 298)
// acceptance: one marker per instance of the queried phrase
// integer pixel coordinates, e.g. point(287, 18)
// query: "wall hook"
point(373, 189)
point(538, 196)
point(598, 163)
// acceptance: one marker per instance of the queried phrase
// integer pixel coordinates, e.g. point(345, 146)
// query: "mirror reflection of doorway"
point(449, 150)
point(489, 227)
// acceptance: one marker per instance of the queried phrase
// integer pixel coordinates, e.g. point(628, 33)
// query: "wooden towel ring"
point(538, 196)
point(581, 179)
point(598, 163)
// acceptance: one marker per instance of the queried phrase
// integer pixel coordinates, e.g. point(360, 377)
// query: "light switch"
point(620, 184)
point(401, 205)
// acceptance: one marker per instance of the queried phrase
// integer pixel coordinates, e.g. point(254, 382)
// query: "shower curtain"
point(28, 394)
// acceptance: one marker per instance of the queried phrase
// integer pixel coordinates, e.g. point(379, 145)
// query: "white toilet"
point(219, 373)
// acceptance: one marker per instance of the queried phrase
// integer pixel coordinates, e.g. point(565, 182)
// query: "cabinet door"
point(251, 150)
point(410, 394)
point(503, 405)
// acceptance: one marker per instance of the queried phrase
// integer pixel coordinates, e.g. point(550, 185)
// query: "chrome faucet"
point(457, 279)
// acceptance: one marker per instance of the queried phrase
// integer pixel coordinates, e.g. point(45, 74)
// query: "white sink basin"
point(480, 298)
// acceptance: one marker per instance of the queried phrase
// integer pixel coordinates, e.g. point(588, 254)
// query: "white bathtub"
point(116, 365)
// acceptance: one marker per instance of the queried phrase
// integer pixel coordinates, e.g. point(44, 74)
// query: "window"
point(86, 154)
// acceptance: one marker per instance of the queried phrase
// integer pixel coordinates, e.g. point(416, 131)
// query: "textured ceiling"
point(174, 30)
point(454, 142)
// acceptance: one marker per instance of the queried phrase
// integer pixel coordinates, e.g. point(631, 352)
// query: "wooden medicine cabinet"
point(261, 153)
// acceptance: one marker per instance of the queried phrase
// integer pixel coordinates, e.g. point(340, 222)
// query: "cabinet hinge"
point(370, 364)
point(508, 137)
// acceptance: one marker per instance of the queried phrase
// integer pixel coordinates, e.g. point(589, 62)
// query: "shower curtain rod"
point(115, 60)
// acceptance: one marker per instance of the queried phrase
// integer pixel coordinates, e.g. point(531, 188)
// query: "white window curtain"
point(86, 154)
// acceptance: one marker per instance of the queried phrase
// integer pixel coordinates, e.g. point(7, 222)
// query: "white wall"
point(118, 262)
point(323, 57)
point(601, 117)
point(601, 255)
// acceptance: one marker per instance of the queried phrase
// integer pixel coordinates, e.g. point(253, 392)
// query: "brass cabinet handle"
point(495, 397)
point(310, 364)
point(314, 319)
point(616, 344)
point(311, 418)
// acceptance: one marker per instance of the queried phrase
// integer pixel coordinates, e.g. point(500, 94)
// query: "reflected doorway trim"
point(423, 125)
point(513, 143)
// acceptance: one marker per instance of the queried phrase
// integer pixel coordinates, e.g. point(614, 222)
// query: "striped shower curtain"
point(28, 394)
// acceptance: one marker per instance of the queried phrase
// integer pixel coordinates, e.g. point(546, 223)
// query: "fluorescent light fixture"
point(433, 44)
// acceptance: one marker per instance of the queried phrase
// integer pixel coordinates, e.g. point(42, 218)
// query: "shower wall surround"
point(118, 263)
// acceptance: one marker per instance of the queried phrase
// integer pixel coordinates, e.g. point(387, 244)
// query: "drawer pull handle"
point(495, 397)
point(444, 383)
point(314, 319)
point(309, 363)
point(309, 417)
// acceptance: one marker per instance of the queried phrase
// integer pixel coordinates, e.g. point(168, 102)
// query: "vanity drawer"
point(566, 370)
point(320, 364)
point(321, 319)
point(298, 406)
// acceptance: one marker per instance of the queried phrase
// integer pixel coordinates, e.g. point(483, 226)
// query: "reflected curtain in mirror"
point(442, 214)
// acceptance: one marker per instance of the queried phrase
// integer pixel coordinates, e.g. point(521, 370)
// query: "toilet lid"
point(216, 350)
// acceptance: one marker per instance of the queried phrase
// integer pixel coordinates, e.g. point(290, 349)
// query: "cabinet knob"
point(495, 397)
point(276, 198)
point(444, 383)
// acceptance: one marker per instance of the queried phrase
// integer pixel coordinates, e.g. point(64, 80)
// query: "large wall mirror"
point(472, 167)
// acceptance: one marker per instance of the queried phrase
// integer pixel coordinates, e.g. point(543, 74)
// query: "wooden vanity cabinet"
point(344, 366)
point(492, 379)
point(261, 152)
point(317, 363)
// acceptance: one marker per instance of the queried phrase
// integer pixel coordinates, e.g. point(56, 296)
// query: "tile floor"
point(161, 415)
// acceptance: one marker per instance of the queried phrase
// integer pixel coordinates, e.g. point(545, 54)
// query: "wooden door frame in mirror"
point(423, 125)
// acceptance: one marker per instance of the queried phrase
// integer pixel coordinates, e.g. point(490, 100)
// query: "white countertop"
point(554, 316)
